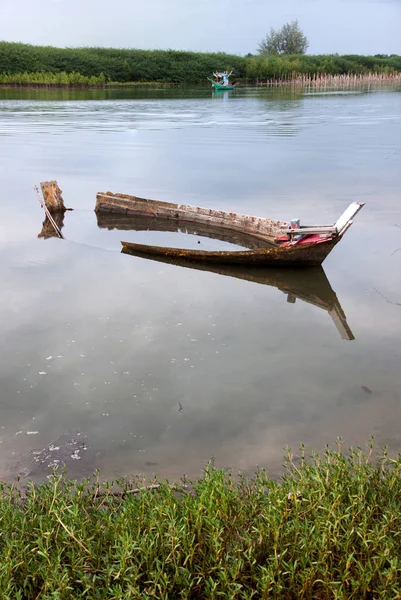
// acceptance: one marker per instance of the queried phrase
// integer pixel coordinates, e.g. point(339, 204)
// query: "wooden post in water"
point(52, 196)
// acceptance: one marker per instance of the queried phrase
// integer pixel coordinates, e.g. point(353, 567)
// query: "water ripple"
point(260, 114)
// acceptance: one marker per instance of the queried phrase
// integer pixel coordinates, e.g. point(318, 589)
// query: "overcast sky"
point(237, 26)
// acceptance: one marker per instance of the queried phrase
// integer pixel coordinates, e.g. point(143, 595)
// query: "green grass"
point(52, 79)
point(330, 528)
point(63, 79)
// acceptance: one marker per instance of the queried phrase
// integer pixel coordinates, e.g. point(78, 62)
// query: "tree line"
point(23, 63)
point(118, 65)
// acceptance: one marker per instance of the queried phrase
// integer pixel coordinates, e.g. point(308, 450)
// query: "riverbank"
point(329, 529)
point(78, 81)
point(71, 66)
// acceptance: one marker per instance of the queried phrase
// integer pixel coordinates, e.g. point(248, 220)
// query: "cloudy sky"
point(343, 26)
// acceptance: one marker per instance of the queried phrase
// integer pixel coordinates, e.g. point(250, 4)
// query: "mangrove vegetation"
point(23, 64)
point(329, 529)
point(117, 65)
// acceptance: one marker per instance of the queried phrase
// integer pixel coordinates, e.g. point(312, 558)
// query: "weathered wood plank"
point(132, 205)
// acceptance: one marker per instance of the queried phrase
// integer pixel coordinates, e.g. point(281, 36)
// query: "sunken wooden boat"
point(284, 243)
point(308, 285)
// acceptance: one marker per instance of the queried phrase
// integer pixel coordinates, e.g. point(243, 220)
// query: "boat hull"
point(219, 86)
point(308, 255)
point(306, 246)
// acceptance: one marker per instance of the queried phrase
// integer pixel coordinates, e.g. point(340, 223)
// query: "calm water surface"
point(134, 366)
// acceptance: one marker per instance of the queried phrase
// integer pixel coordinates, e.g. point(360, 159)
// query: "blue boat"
point(221, 81)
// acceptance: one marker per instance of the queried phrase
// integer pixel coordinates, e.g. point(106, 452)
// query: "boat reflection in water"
point(309, 285)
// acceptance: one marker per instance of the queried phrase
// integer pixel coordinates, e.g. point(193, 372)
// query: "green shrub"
point(330, 529)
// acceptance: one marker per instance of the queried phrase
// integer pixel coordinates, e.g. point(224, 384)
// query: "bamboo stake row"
point(318, 80)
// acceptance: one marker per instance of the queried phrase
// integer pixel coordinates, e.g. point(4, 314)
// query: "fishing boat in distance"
point(280, 243)
point(222, 81)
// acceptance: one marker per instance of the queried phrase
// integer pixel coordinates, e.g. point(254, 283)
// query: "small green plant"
point(329, 529)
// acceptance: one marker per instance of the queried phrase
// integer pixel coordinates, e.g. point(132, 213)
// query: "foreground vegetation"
point(330, 529)
point(22, 64)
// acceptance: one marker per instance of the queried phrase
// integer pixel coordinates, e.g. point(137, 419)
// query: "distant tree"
point(288, 40)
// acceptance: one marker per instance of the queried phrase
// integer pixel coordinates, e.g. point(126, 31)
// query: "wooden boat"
point(284, 244)
point(308, 285)
point(221, 86)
